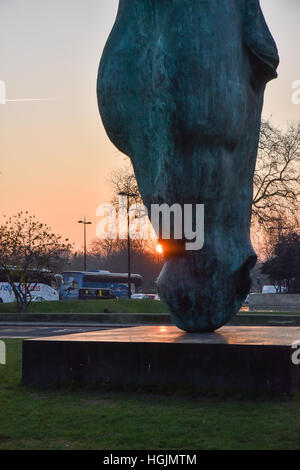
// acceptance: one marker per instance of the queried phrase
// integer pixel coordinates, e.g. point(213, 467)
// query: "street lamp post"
point(128, 195)
point(85, 223)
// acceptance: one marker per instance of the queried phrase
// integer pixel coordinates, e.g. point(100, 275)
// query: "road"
point(16, 331)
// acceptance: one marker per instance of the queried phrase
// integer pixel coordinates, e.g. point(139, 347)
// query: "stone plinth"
point(235, 358)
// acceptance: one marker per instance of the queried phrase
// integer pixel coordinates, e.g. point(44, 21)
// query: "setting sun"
point(159, 249)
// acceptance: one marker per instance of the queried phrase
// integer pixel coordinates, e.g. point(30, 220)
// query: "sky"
point(55, 157)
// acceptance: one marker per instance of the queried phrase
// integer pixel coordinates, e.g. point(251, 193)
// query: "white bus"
point(45, 286)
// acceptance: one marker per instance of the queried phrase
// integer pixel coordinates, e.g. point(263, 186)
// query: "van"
point(269, 290)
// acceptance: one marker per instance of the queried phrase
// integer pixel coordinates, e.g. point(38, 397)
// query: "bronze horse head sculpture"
point(180, 91)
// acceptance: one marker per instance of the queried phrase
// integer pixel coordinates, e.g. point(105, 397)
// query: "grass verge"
point(113, 306)
point(91, 306)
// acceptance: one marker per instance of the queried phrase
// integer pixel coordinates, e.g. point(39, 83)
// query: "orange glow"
point(163, 329)
point(159, 249)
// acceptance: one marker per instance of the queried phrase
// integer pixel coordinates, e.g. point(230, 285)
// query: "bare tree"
point(105, 247)
point(26, 248)
point(277, 178)
point(124, 180)
point(265, 236)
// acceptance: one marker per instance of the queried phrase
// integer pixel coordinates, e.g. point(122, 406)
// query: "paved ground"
point(13, 331)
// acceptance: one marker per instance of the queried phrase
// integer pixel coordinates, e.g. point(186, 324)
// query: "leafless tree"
point(123, 180)
point(104, 248)
point(26, 248)
point(277, 177)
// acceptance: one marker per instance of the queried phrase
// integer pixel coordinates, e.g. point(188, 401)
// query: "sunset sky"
point(55, 156)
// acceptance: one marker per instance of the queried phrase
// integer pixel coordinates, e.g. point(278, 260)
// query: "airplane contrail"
point(4, 100)
point(35, 99)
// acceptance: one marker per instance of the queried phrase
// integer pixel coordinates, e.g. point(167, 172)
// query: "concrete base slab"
point(235, 358)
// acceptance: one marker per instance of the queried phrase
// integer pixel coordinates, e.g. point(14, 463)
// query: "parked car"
point(96, 294)
point(143, 296)
point(37, 299)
